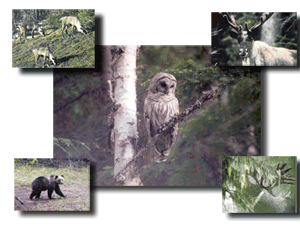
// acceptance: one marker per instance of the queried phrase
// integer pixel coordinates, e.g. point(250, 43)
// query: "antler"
point(231, 21)
point(254, 29)
point(284, 177)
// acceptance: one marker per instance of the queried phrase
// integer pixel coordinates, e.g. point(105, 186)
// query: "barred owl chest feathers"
point(161, 111)
point(159, 107)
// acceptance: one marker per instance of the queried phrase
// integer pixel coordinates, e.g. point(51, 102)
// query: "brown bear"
point(50, 183)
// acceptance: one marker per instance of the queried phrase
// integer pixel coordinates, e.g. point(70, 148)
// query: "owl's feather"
point(159, 107)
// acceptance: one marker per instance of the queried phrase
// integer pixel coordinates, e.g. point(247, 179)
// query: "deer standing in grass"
point(71, 21)
point(26, 27)
point(46, 53)
point(258, 53)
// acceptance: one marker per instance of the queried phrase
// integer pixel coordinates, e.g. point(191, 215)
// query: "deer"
point(25, 27)
point(21, 31)
point(258, 53)
point(46, 53)
point(71, 21)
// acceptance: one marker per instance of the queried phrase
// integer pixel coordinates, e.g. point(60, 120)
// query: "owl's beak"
point(167, 90)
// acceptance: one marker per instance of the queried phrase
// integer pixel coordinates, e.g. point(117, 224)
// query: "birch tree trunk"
point(125, 119)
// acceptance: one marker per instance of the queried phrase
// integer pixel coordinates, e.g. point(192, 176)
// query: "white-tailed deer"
point(46, 53)
point(71, 21)
point(25, 28)
point(258, 53)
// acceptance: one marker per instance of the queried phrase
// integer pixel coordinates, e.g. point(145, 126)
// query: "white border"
point(27, 121)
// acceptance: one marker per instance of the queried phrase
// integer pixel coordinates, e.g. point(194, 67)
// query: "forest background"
point(27, 120)
point(227, 125)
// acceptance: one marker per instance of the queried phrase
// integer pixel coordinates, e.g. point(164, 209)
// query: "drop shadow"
point(99, 29)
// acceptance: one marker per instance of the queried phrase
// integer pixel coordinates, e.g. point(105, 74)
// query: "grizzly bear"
point(50, 183)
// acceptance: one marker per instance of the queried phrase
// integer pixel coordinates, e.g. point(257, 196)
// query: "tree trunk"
point(125, 119)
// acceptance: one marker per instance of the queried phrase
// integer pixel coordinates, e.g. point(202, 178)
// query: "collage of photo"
point(156, 116)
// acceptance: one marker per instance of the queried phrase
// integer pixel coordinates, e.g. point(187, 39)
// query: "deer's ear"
point(233, 33)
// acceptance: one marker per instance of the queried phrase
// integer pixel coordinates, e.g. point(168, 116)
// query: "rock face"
point(270, 204)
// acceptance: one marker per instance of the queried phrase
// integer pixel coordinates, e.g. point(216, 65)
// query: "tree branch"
point(85, 92)
point(207, 95)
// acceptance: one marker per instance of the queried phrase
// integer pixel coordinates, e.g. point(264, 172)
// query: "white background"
point(27, 121)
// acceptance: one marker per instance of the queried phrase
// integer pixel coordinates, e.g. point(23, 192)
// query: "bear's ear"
point(62, 175)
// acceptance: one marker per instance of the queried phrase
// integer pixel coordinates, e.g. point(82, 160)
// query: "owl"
point(159, 107)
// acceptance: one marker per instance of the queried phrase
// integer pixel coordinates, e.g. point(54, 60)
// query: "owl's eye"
point(172, 86)
point(163, 84)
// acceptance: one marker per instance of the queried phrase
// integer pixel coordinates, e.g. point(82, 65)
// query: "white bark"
point(125, 120)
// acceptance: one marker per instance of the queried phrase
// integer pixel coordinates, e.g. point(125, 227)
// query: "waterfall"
point(270, 30)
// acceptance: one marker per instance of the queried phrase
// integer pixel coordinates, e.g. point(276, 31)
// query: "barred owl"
point(159, 107)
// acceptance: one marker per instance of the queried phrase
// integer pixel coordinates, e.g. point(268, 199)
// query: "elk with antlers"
point(258, 53)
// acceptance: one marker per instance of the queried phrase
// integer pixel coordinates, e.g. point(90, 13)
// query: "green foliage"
point(33, 161)
point(155, 59)
point(86, 15)
point(244, 178)
point(53, 20)
point(80, 115)
point(71, 147)
point(29, 161)
point(69, 143)
point(287, 42)
point(288, 36)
